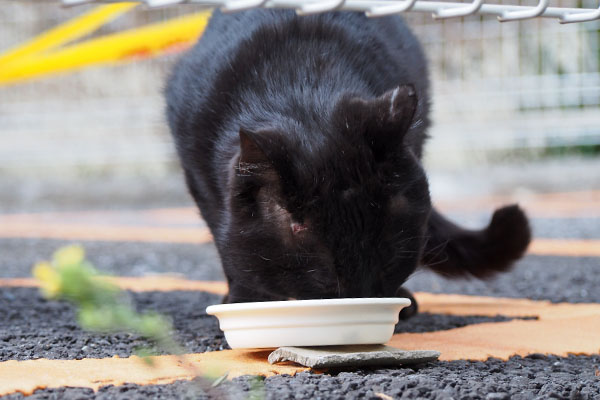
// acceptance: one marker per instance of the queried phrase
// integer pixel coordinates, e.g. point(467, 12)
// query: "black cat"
point(301, 140)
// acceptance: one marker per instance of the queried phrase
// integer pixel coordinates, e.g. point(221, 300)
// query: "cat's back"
point(384, 50)
point(215, 51)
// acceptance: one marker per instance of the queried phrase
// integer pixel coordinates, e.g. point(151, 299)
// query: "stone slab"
point(351, 356)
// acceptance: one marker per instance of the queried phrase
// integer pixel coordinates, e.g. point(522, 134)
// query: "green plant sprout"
point(103, 307)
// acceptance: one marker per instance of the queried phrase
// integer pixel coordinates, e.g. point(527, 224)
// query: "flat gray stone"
point(351, 356)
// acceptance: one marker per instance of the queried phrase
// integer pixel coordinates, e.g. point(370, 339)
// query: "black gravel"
point(193, 261)
point(38, 328)
point(427, 322)
point(532, 377)
point(558, 279)
point(34, 327)
point(567, 228)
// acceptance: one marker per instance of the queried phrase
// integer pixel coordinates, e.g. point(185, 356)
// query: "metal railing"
point(376, 8)
point(525, 85)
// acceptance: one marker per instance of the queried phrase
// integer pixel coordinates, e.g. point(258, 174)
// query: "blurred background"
point(515, 112)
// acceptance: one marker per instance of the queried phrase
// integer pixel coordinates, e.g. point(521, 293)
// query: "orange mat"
point(561, 329)
point(159, 283)
point(27, 376)
point(117, 233)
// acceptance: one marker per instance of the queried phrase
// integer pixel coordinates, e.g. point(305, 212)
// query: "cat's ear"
point(250, 150)
point(384, 120)
point(397, 108)
point(258, 154)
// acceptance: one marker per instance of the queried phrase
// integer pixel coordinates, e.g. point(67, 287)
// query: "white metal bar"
point(580, 17)
point(374, 8)
point(486, 9)
point(240, 5)
point(525, 14)
point(459, 11)
point(320, 6)
point(399, 7)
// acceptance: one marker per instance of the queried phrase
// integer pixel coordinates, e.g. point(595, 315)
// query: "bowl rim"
point(286, 304)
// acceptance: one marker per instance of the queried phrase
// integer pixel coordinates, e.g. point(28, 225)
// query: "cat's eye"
point(298, 227)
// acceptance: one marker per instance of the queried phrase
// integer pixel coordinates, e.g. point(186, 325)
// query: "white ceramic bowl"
point(308, 322)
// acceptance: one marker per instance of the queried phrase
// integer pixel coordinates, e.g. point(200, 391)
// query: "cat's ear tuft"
point(402, 103)
point(391, 116)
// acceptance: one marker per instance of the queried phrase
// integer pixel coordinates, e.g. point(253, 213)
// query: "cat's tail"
point(456, 252)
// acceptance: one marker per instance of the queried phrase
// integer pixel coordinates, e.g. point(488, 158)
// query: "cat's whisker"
point(442, 261)
point(438, 249)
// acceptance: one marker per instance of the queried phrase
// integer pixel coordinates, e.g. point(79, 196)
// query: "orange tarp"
point(559, 329)
point(160, 283)
point(27, 376)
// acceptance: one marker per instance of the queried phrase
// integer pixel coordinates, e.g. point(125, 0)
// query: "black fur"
point(301, 140)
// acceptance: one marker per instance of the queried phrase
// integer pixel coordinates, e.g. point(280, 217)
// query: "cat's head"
point(341, 216)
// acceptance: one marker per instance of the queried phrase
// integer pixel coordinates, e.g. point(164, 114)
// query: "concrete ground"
point(563, 266)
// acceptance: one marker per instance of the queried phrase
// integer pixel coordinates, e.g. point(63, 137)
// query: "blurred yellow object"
point(49, 278)
point(71, 30)
point(69, 255)
point(147, 41)
point(51, 275)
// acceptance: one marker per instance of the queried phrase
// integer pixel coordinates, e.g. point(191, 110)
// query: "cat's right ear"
point(383, 121)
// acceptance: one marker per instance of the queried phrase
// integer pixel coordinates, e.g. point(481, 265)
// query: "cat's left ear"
point(251, 151)
point(260, 152)
point(384, 120)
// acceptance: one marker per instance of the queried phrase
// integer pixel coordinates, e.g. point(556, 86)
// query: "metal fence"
point(496, 86)
point(528, 84)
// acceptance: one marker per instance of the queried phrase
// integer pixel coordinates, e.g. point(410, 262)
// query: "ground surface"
point(35, 328)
